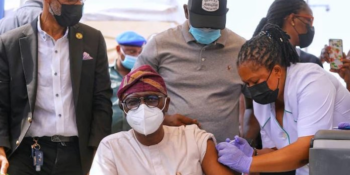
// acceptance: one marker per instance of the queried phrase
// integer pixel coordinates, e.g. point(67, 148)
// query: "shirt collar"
point(46, 36)
point(189, 38)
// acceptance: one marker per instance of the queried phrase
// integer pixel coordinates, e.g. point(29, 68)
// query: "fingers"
point(334, 70)
point(179, 120)
point(185, 120)
point(197, 123)
point(343, 125)
point(346, 63)
point(221, 146)
point(239, 140)
point(4, 166)
point(325, 53)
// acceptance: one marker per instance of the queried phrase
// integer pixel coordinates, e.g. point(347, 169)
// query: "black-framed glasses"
point(132, 103)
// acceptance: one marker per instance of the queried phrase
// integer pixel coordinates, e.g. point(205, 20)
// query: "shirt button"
point(17, 142)
point(57, 95)
point(56, 51)
point(55, 73)
point(30, 119)
point(203, 59)
point(59, 115)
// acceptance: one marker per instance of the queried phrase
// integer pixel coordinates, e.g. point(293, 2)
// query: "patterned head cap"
point(142, 79)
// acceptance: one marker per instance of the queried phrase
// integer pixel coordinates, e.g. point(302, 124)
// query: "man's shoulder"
point(115, 138)
point(169, 33)
point(88, 30)
point(183, 130)
point(234, 37)
point(17, 33)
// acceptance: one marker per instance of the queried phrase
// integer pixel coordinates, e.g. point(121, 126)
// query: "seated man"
point(151, 148)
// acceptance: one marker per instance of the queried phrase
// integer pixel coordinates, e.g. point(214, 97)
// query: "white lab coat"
point(314, 100)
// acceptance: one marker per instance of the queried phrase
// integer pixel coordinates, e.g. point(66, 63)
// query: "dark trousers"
point(58, 159)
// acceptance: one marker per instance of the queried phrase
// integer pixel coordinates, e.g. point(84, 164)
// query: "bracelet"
point(255, 152)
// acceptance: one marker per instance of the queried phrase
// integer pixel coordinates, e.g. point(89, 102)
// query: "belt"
point(59, 139)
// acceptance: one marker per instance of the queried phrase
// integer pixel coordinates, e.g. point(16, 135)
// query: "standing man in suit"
point(54, 93)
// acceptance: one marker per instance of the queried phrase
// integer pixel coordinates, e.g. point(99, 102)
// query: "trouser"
point(59, 158)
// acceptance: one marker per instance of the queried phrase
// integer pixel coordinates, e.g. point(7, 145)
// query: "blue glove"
point(234, 158)
point(244, 146)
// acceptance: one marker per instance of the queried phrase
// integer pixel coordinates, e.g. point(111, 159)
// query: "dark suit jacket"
point(90, 84)
point(309, 58)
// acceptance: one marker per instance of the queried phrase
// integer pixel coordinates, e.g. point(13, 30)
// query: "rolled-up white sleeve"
point(316, 106)
point(201, 137)
point(103, 163)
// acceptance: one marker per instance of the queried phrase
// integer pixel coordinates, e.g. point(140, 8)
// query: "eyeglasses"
point(133, 103)
point(310, 19)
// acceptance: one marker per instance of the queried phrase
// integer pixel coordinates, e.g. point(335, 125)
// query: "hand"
point(344, 125)
point(4, 164)
point(326, 51)
point(234, 158)
point(179, 120)
point(243, 145)
point(344, 72)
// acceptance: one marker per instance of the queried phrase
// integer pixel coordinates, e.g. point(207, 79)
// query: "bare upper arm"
point(210, 163)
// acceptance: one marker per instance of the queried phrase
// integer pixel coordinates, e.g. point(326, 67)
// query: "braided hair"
point(269, 48)
point(279, 10)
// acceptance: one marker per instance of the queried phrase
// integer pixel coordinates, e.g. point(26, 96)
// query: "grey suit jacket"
point(90, 83)
point(23, 15)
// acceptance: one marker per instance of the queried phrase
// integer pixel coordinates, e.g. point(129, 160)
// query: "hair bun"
point(276, 33)
point(258, 29)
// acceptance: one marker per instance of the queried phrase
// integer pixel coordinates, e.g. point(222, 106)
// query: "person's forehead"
point(306, 11)
point(140, 94)
point(131, 47)
point(249, 70)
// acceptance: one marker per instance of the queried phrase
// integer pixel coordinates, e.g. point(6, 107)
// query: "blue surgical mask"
point(129, 61)
point(204, 35)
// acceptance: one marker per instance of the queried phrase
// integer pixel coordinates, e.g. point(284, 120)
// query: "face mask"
point(262, 94)
point(306, 39)
point(70, 15)
point(145, 120)
point(129, 61)
point(205, 36)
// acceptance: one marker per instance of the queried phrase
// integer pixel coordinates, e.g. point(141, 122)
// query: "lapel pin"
point(79, 36)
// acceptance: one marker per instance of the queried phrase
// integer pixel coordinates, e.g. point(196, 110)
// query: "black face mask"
point(261, 93)
point(70, 15)
point(306, 39)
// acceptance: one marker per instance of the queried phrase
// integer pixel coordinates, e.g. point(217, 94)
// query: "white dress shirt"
point(314, 100)
point(54, 112)
point(181, 151)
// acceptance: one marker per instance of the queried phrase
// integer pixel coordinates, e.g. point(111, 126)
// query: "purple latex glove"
point(344, 125)
point(234, 158)
point(243, 145)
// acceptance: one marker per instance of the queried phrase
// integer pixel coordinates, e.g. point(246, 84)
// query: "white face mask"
point(145, 120)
